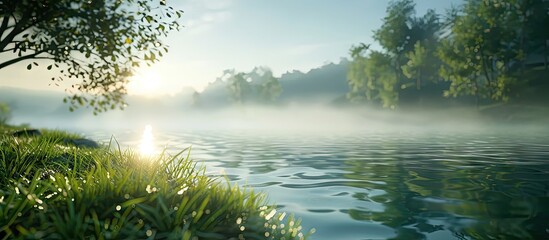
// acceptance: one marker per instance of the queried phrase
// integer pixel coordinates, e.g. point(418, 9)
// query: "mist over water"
point(311, 119)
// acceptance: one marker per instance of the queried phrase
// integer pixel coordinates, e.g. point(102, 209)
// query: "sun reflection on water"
point(146, 147)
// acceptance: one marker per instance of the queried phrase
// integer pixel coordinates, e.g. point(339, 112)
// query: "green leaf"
point(149, 19)
point(29, 67)
point(49, 67)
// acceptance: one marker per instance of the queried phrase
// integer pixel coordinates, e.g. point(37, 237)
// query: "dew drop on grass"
point(118, 207)
point(271, 214)
point(267, 234)
point(238, 220)
point(127, 196)
point(17, 190)
point(242, 228)
point(149, 233)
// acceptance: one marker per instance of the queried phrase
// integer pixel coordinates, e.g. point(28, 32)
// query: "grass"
point(49, 190)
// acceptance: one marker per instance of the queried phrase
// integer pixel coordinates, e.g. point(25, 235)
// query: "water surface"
point(380, 185)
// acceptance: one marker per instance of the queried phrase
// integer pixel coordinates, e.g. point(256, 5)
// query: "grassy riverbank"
point(52, 190)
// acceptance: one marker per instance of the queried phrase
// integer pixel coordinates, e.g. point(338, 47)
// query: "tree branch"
point(4, 26)
point(19, 59)
point(17, 29)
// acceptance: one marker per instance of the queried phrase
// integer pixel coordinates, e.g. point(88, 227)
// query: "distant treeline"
point(482, 52)
point(322, 85)
point(487, 49)
point(257, 86)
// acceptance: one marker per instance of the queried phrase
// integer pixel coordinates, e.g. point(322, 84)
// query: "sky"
point(284, 35)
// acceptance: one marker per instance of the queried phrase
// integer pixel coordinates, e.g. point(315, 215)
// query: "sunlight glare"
point(147, 141)
point(146, 83)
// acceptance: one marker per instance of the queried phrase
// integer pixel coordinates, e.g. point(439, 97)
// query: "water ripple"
point(488, 185)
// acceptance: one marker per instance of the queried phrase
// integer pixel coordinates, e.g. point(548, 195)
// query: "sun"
point(144, 83)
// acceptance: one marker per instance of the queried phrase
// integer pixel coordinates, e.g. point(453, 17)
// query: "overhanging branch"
point(19, 59)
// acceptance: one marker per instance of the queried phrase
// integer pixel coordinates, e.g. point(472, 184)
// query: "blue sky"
point(223, 34)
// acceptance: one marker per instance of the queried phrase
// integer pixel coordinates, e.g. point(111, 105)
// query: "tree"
point(531, 17)
point(268, 87)
point(382, 79)
point(423, 63)
point(394, 35)
point(409, 43)
point(372, 78)
point(258, 86)
point(356, 75)
point(480, 50)
point(95, 44)
point(239, 88)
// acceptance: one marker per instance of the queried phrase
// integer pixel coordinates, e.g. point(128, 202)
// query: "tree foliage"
point(487, 43)
point(257, 86)
point(423, 64)
point(408, 43)
point(239, 88)
point(372, 77)
point(95, 44)
point(484, 48)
